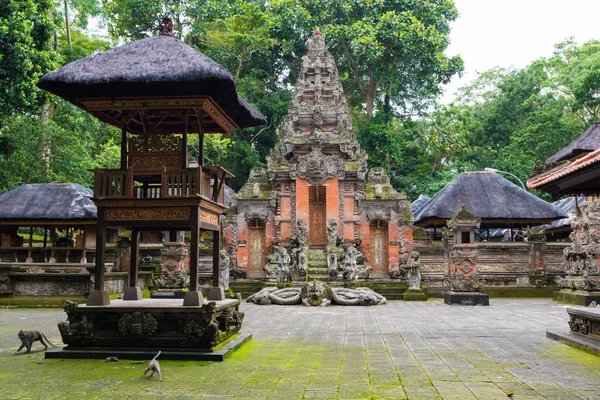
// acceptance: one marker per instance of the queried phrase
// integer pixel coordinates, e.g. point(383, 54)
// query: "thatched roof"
point(418, 203)
point(588, 141)
point(48, 201)
point(491, 197)
point(159, 66)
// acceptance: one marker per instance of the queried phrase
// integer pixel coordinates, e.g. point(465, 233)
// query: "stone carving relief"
point(315, 167)
point(317, 293)
point(224, 269)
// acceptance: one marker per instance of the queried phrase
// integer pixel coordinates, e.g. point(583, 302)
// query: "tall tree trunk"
point(67, 24)
point(371, 95)
point(44, 149)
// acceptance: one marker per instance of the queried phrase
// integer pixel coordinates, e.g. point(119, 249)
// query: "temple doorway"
point(317, 232)
point(256, 252)
point(379, 245)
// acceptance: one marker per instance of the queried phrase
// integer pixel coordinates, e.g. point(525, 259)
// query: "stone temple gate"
point(315, 208)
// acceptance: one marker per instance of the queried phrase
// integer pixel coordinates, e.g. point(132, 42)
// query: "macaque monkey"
point(154, 367)
point(28, 337)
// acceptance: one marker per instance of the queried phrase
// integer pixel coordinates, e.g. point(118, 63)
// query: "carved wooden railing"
point(112, 183)
point(159, 183)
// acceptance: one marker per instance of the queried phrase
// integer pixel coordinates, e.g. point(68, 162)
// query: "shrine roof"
point(489, 196)
point(155, 67)
point(418, 203)
point(48, 201)
point(588, 141)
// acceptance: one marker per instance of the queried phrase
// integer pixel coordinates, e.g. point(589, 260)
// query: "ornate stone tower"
point(312, 200)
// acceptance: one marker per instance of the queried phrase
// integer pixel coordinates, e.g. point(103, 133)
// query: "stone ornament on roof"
point(165, 28)
point(464, 218)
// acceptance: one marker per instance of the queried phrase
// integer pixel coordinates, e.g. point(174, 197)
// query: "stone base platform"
point(576, 340)
point(140, 325)
point(224, 351)
point(580, 298)
point(584, 323)
point(467, 298)
point(413, 295)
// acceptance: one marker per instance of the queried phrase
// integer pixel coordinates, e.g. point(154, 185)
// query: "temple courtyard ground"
point(400, 350)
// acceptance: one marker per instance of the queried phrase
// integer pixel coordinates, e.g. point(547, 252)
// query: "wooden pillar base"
point(133, 293)
point(98, 298)
point(193, 298)
point(29, 260)
point(216, 293)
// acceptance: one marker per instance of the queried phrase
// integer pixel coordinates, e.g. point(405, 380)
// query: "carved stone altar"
point(130, 326)
point(462, 280)
point(315, 198)
point(584, 328)
point(582, 283)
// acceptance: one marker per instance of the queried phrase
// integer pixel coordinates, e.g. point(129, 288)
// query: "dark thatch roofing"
point(159, 66)
point(48, 201)
point(588, 141)
point(496, 200)
point(418, 203)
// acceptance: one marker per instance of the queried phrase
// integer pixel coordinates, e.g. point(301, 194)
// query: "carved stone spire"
point(165, 28)
point(318, 114)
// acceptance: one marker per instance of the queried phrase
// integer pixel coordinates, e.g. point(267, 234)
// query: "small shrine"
point(463, 281)
point(316, 212)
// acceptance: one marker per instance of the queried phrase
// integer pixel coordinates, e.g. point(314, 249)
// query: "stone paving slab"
point(401, 350)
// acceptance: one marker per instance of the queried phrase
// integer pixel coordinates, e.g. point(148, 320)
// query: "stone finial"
point(317, 32)
point(165, 28)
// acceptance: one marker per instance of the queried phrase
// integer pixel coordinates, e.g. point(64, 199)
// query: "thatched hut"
point(63, 214)
point(491, 197)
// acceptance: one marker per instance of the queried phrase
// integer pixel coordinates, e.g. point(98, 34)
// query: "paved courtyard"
point(396, 351)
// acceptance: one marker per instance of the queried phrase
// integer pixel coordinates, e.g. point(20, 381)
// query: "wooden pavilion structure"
point(157, 91)
point(51, 207)
point(491, 197)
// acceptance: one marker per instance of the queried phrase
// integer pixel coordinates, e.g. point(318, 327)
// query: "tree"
point(25, 54)
point(391, 51)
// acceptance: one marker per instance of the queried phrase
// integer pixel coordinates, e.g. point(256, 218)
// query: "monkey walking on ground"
point(28, 337)
point(154, 367)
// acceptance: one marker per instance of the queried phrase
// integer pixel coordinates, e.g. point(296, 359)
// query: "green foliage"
point(25, 54)
point(383, 48)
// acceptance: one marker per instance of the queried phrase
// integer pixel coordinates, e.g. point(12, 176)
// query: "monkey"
point(154, 367)
point(28, 337)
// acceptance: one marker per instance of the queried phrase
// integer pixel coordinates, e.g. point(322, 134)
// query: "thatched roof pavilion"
point(48, 207)
point(159, 67)
point(41, 203)
point(587, 142)
point(489, 196)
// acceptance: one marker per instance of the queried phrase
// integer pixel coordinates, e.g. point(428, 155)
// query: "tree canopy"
point(391, 56)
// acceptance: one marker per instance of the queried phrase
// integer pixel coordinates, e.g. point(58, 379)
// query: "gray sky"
point(506, 33)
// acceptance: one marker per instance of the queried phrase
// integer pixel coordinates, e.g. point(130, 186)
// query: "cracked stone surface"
point(401, 350)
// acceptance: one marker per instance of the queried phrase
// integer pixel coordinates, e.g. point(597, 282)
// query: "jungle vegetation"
point(391, 58)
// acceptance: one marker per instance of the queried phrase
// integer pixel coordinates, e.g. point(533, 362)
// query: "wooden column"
point(83, 251)
point(52, 258)
point(45, 243)
point(29, 257)
point(216, 259)
point(194, 297)
point(216, 292)
point(133, 291)
point(99, 296)
point(124, 146)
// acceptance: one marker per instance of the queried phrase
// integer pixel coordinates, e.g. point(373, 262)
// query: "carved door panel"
point(256, 250)
point(317, 216)
point(379, 246)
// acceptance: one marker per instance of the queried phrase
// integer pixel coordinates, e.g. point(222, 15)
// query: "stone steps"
point(317, 265)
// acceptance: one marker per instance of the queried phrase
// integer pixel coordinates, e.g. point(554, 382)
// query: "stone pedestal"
point(467, 298)
point(133, 327)
point(133, 293)
point(577, 297)
point(98, 298)
point(193, 298)
point(216, 293)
